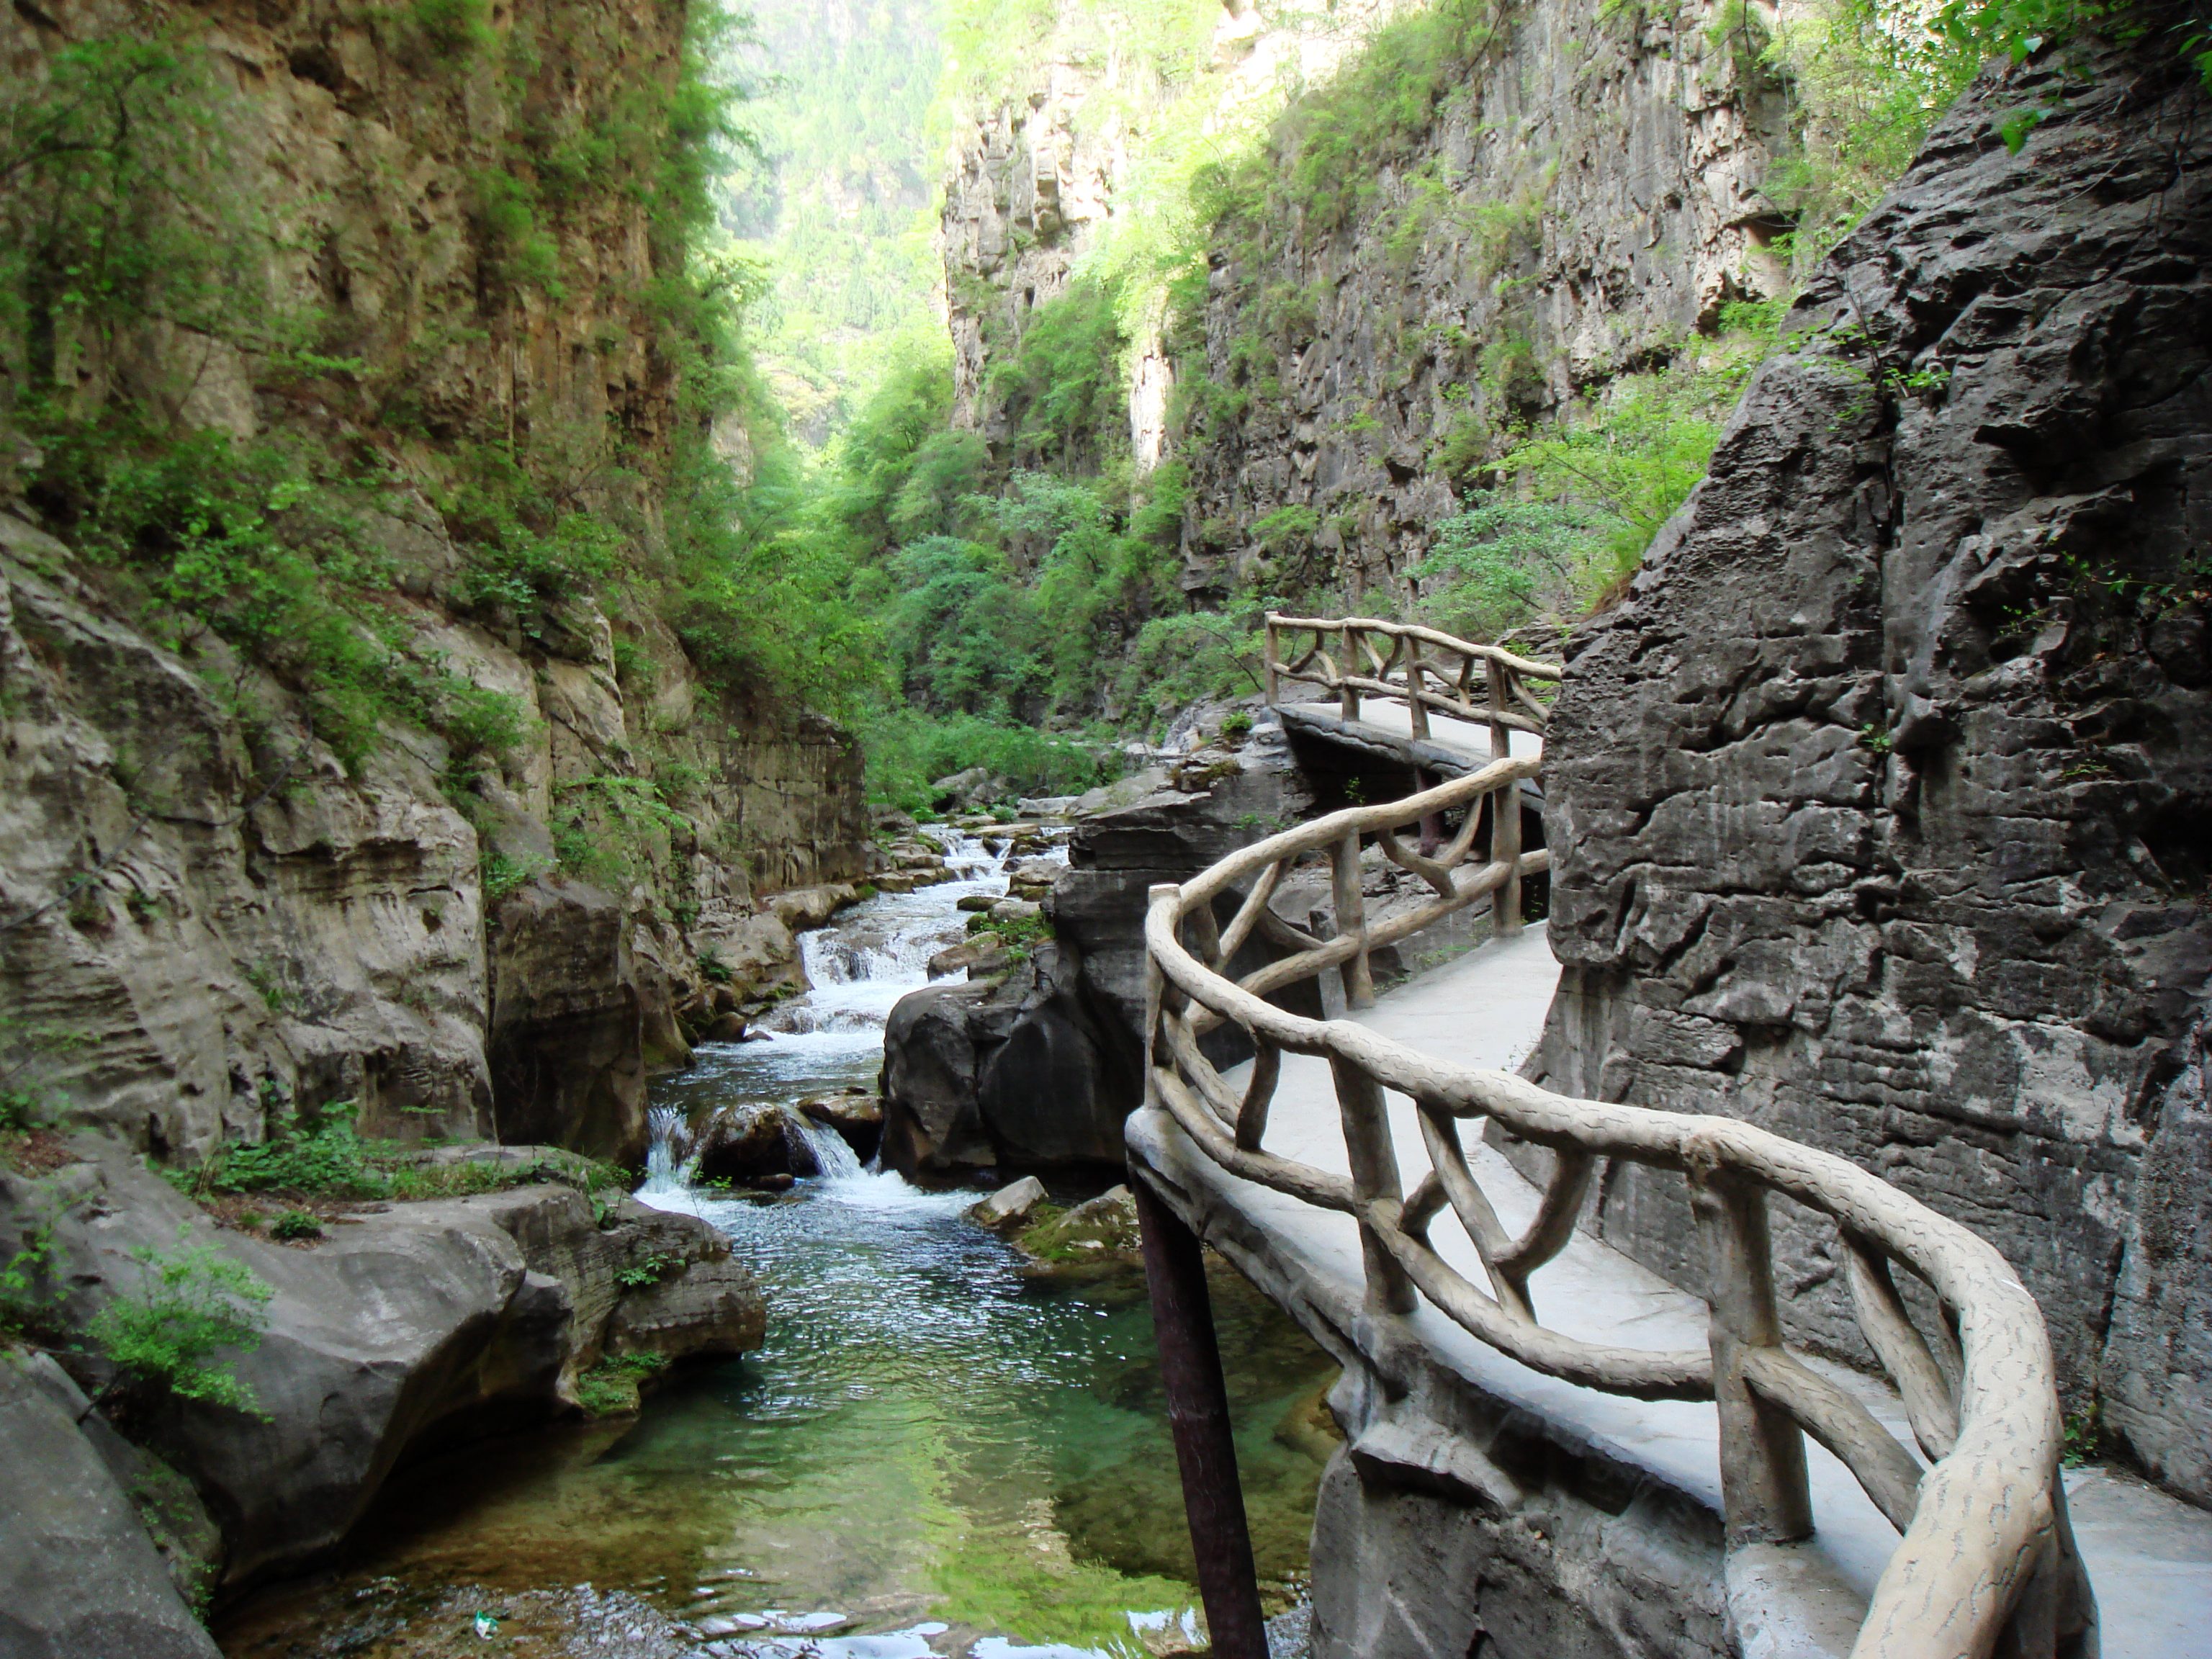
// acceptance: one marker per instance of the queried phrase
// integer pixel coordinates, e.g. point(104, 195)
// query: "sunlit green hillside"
point(836, 203)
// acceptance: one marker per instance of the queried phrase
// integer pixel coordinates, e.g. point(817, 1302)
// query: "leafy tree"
point(1492, 567)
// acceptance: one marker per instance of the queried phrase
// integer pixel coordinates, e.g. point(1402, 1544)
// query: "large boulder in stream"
point(1010, 1071)
point(854, 1112)
point(770, 1142)
point(1037, 1065)
point(409, 1323)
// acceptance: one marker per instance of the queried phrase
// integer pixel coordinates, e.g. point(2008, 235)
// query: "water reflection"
point(938, 1450)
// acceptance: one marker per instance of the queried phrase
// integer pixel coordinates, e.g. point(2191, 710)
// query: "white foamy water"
point(864, 961)
point(857, 969)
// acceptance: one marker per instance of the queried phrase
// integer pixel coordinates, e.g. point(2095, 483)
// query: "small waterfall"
point(833, 1160)
point(831, 1038)
point(664, 1169)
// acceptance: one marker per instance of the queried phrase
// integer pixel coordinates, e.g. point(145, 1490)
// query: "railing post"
point(1374, 1175)
point(1274, 686)
point(1419, 710)
point(1198, 1414)
point(1352, 919)
point(1506, 845)
point(1155, 988)
point(1763, 1493)
point(1504, 815)
point(1347, 698)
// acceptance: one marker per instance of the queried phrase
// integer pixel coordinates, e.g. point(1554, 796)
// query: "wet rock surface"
point(854, 1112)
point(1882, 796)
point(407, 1323)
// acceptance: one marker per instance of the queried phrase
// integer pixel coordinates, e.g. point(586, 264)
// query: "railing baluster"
point(1374, 1175)
point(1986, 1564)
point(1415, 708)
point(1205, 935)
point(1348, 696)
point(1505, 816)
point(1352, 921)
point(1271, 665)
point(1763, 1488)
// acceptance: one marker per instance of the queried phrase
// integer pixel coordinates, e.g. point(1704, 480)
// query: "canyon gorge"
point(611, 614)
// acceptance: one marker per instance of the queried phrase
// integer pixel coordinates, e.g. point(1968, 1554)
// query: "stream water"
point(939, 1450)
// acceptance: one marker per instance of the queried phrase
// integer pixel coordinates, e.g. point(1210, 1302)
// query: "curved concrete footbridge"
point(1552, 1452)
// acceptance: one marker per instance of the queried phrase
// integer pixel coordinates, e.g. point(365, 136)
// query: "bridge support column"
point(1198, 1411)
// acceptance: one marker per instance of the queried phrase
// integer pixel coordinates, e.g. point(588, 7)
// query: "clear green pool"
point(931, 1433)
point(935, 1434)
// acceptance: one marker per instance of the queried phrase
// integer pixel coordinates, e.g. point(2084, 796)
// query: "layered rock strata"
point(233, 925)
point(1035, 176)
point(1881, 799)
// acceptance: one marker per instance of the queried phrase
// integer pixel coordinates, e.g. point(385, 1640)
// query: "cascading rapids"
point(829, 1038)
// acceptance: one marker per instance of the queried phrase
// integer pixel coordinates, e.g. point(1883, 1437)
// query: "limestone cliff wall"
point(1583, 203)
point(1881, 799)
point(1035, 177)
point(210, 923)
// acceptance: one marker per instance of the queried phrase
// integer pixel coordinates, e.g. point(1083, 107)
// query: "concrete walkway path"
point(2149, 1555)
point(1386, 727)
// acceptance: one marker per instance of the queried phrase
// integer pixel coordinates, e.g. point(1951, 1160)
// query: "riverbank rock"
point(981, 957)
point(407, 1323)
point(976, 786)
point(79, 1578)
point(854, 1112)
point(1010, 1207)
point(565, 1042)
point(1102, 1228)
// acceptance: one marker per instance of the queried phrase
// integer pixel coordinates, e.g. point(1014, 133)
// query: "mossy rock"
point(1103, 1230)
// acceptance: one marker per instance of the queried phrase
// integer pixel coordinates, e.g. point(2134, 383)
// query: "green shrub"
point(18, 1109)
point(331, 1161)
point(26, 1297)
point(295, 1224)
point(1491, 567)
point(650, 1270)
point(324, 1163)
point(186, 1307)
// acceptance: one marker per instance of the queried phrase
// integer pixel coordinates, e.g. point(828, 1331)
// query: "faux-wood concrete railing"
point(1986, 1556)
point(1423, 669)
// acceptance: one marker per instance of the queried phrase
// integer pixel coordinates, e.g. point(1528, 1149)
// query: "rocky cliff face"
point(1583, 202)
point(1035, 177)
point(227, 922)
point(1881, 800)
